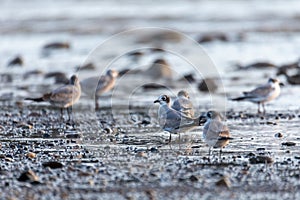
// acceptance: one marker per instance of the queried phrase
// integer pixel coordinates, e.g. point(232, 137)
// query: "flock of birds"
point(176, 118)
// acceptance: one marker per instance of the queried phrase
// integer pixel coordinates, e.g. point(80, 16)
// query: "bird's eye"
point(164, 98)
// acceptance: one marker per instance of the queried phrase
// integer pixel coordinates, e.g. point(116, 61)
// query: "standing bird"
point(95, 86)
point(183, 104)
point(63, 97)
point(262, 94)
point(173, 121)
point(215, 133)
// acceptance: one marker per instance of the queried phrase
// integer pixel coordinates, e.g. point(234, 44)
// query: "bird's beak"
point(202, 119)
point(281, 84)
point(156, 101)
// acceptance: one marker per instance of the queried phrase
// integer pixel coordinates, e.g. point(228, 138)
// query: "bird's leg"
point(264, 110)
point(62, 114)
point(179, 140)
point(96, 103)
point(220, 154)
point(170, 138)
point(69, 110)
point(258, 109)
point(70, 114)
point(209, 154)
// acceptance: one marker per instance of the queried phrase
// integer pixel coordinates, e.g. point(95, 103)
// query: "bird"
point(183, 104)
point(63, 97)
point(160, 69)
point(95, 86)
point(215, 133)
point(173, 121)
point(262, 94)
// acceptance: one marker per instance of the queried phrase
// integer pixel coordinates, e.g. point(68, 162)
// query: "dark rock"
point(157, 50)
point(135, 55)
point(289, 144)
point(74, 135)
point(32, 73)
point(208, 85)
point(293, 79)
point(193, 178)
point(284, 68)
point(87, 66)
point(209, 37)
point(159, 37)
point(57, 45)
point(257, 65)
point(279, 135)
point(59, 77)
point(18, 60)
point(153, 86)
point(189, 78)
point(261, 160)
point(53, 165)
point(224, 182)
point(128, 71)
point(28, 176)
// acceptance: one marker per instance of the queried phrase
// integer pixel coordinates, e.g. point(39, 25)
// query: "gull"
point(183, 104)
point(215, 133)
point(262, 94)
point(173, 121)
point(63, 97)
point(95, 86)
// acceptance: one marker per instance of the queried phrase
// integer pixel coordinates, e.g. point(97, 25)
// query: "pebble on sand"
point(16, 61)
point(28, 176)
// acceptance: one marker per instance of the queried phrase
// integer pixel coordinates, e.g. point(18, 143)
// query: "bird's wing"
point(260, 92)
point(169, 119)
point(64, 94)
point(217, 130)
point(95, 84)
point(176, 105)
point(103, 81)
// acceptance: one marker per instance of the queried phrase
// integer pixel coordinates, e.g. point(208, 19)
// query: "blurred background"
point(251, 35)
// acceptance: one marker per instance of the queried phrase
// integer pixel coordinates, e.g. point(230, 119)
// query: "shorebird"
point(262, 94)
point(95, 86)
point(160, 69)
point(173, 121)
point(63, 97)
point(183, 104)
point(215, 133)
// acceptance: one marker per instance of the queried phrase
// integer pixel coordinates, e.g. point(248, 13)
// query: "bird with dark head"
point(173, 121)
point(215, 133)
point(262, 94)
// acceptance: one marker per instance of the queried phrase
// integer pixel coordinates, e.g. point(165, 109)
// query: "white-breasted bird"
point(183, 104)
point(95, 86)
point(173, 121)
point(262, 94)
point(63, 97)
point(215, 133)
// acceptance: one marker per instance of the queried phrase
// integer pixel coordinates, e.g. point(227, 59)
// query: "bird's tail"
point(238, 99)
point(40, 99)
point(45, 97)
